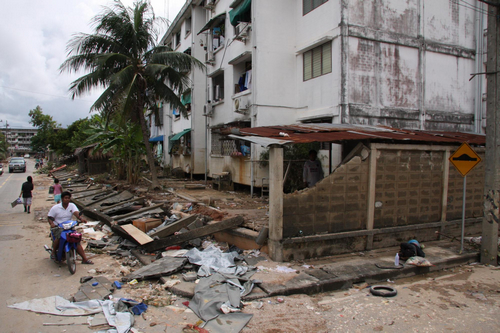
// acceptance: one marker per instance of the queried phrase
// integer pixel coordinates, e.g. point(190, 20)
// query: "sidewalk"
point(343, 271)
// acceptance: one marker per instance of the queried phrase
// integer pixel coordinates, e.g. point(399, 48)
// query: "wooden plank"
point(196, 233)
point(195, 187)
point(111, 199)
point(183, 196)
point(137, 212)
point(93, 194)
point(122, 204)
point(139, 236)
point(86, 191)
point(176, 226)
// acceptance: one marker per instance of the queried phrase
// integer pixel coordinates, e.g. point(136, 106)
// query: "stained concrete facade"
point(397, 193)
point(405, 64)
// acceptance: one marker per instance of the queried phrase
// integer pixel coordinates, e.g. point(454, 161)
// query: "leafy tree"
point(122, 56)
point(47, 128)
point(79, 131)
point(4, 146)
point(124, 141)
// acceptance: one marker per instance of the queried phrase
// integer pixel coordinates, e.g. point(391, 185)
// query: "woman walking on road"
point(26, 194)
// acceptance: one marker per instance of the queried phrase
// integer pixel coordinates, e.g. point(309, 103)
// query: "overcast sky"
point(33, 37)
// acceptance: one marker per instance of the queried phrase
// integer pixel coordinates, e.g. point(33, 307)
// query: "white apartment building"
point(19, 140)
point(405, 64)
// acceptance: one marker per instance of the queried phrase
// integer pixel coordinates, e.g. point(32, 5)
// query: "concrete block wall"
point(408, 188)
point(474, 192)
point(336, 204)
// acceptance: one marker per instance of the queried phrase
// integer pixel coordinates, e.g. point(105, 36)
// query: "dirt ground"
point(464, 299)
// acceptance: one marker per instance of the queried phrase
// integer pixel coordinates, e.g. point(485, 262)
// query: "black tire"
point(71, 260)
point(10, 171)
point(383, 291)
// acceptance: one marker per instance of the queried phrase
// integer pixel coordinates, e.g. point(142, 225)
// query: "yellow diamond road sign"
point(465, 159)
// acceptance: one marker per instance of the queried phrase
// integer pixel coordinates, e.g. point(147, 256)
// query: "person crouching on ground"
point(26, 194)
point(57, 191)
point(313, 171)
point(60, 213)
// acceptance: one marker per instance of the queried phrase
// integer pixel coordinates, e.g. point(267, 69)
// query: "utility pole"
point(489, 242)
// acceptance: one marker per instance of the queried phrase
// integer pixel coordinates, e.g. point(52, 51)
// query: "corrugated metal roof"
point(306, 133)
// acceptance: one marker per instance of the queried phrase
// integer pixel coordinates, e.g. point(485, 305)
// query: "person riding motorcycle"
point(63, 212)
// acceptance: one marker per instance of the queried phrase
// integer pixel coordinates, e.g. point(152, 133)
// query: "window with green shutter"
point(318, 61)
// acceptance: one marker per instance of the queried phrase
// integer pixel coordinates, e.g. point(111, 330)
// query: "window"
point(218, 34)
point(181, 146)
point(187, 26)
point(242, 76)
point(177, 39)
point(309, 5)
point(223, 146)
point(218, 88)
point(176, 113)
point(318, 61)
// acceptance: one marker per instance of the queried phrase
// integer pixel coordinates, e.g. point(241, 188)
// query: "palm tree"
point(122, 56)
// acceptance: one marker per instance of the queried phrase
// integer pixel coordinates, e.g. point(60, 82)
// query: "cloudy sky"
point(33, 37)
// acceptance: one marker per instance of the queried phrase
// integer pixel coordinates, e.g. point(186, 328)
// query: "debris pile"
point(162, 248)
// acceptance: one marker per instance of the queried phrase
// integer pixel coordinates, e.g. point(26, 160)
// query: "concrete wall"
point(408, 187)
point(416, 192)
point(409, 63)
point(336, 204)
point(474, 192)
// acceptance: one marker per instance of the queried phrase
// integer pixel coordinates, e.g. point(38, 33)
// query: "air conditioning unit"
point(210, 58)
point(241, 104)
point(242, 30)
point(208, 110)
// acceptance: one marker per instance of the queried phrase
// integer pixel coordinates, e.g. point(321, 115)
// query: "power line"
point(39, 93)
point(471, 7)
point(474, 6)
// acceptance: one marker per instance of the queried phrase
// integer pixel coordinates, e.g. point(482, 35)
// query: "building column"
point(275, 203)
point(372, 177)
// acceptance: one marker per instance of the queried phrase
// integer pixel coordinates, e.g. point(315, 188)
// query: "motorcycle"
point(1, 169)
point(67, 245)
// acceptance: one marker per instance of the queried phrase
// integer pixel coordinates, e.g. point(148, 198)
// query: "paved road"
point(26, 271)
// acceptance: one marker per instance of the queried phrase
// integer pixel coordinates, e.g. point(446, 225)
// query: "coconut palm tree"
point(122, 57)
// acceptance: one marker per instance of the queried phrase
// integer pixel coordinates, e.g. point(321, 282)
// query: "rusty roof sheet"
point(306, 133)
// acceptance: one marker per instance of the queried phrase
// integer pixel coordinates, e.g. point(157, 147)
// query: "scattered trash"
point(134, 281)
point(284, 269)
point(171, 283)
point(280, 300)
point(95, 284)
point(117, 285)
point(418, 261)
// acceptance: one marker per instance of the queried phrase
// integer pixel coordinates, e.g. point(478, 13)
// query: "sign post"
point(464, 159)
